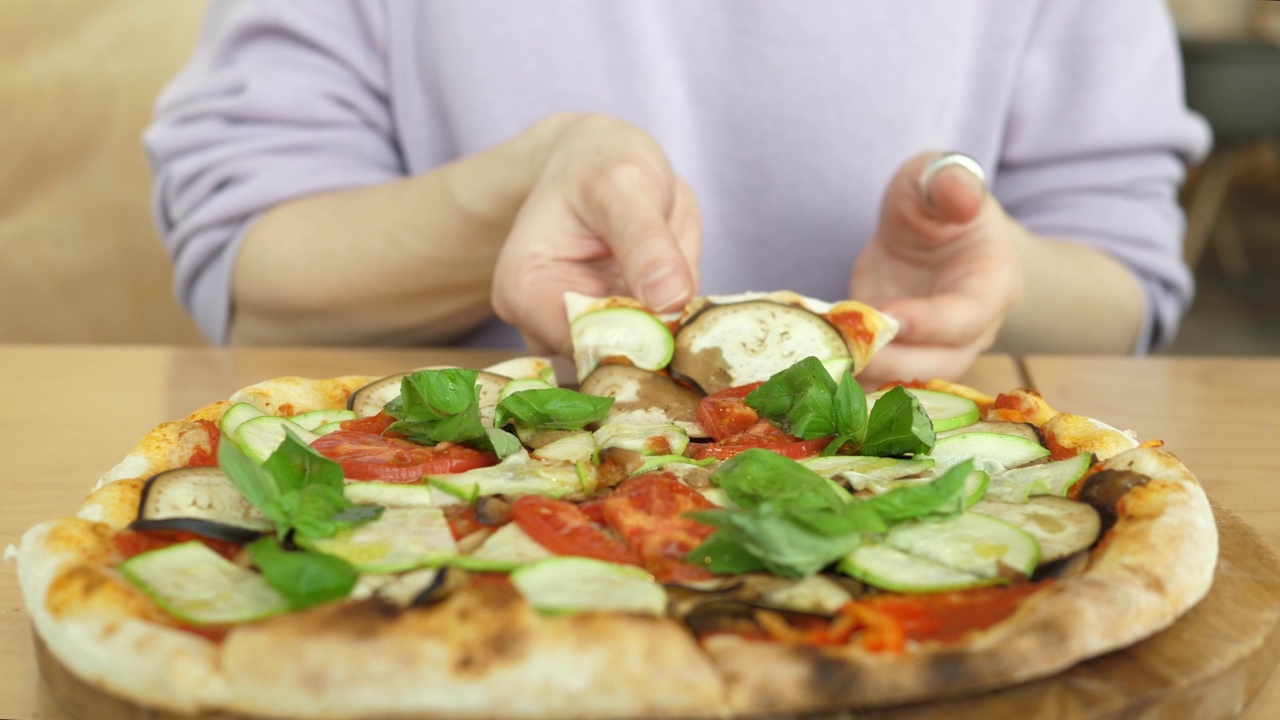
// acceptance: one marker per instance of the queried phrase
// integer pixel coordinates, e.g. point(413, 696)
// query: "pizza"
point(712, 519)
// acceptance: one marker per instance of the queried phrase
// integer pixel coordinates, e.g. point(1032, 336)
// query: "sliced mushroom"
point(736, 344)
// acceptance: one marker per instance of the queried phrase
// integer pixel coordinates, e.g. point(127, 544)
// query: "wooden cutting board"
point(1208, 665)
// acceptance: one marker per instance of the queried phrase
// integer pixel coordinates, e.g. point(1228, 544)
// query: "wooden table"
point(72, 412)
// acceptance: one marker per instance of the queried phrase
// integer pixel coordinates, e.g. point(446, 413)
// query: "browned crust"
point(484, 652)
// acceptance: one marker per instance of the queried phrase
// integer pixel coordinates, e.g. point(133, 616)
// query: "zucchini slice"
point(315, 418)
point(1008, 451)
point(402, 539)
point(260, 436)
point(1062, 527)
point(891, 569)
point(620, 332)
point(577, 584)
point(199, 586)
point(729, 345)
point(972, 543)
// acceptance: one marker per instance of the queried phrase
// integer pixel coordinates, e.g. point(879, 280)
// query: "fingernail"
point(663, 288)
point(974, 176)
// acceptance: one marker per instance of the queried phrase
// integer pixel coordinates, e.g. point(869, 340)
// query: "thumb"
point(932, 188)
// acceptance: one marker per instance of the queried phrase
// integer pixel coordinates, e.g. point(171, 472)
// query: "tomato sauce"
point(136, 542)
point(853, 325)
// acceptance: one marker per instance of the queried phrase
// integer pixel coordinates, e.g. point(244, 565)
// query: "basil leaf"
point(723, 554)
point(299, 489)
point(253, 481)
point(504, 443)
point(303, 577)
point(438, 406)
point(798, 400)
point(944, 496)
point(436, 394)
point(850, 407)
point(898, 425)
point(552, 408)
point(785, 547)
point(320, 511)
point(756, 476)
point(295, 465)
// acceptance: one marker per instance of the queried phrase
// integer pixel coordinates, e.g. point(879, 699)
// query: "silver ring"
point(946, 160)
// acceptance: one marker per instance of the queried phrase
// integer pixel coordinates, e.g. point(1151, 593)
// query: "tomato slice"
point(387, 459)
point(564, 529)
point(650, 512)
point(764, 435)
point(726, 413)
point(373, 424)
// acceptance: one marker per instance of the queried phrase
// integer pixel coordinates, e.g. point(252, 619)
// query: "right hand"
point(606, 216)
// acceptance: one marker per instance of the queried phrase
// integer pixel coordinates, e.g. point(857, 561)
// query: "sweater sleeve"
point(282, 98)
point(1097, 142)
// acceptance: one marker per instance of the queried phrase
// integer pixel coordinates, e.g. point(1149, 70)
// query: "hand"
point(606, 216)
point(945, 262)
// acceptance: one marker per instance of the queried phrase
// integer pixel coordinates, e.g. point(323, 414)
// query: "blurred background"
point(82, 262)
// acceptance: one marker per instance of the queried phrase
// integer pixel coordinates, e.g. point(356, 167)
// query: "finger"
point(952, 318)
point(629, 206)
point(909, 362)
point(954, 186)
point(929, 193)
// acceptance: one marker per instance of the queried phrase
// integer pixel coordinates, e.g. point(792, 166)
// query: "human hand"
point(945, 262)
point(607, 215)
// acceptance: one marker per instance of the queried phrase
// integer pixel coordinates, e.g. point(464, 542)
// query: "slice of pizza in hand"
point(723, 341)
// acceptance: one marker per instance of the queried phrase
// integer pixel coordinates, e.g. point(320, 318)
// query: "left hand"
point(945, 262)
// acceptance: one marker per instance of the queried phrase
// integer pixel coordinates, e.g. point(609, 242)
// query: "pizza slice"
point(721, 341)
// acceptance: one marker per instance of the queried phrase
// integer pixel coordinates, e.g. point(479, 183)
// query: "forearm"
point(1077, 299)
point(405, 262)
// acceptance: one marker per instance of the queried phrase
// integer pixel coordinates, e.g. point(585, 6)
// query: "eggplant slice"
point(729, 345)
point(199, 500)
point(639, 393)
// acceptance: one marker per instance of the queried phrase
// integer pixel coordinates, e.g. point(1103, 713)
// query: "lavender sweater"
point(787, 119)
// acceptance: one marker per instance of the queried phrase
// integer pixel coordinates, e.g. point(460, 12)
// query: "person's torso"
point(787, 119)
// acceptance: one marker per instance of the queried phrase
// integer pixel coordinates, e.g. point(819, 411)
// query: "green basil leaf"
point(898, 426)
point(295, 465)
point(786, 547)
point(756, 476)
point(438, 394)
point(504, 444)
point(253, 481)
point(552, 408)
point(798, 400)
point(438, 406)
point(304, 578)
point(723, 554)
point(850, 406)
point(944, 496)
point(320, 511)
